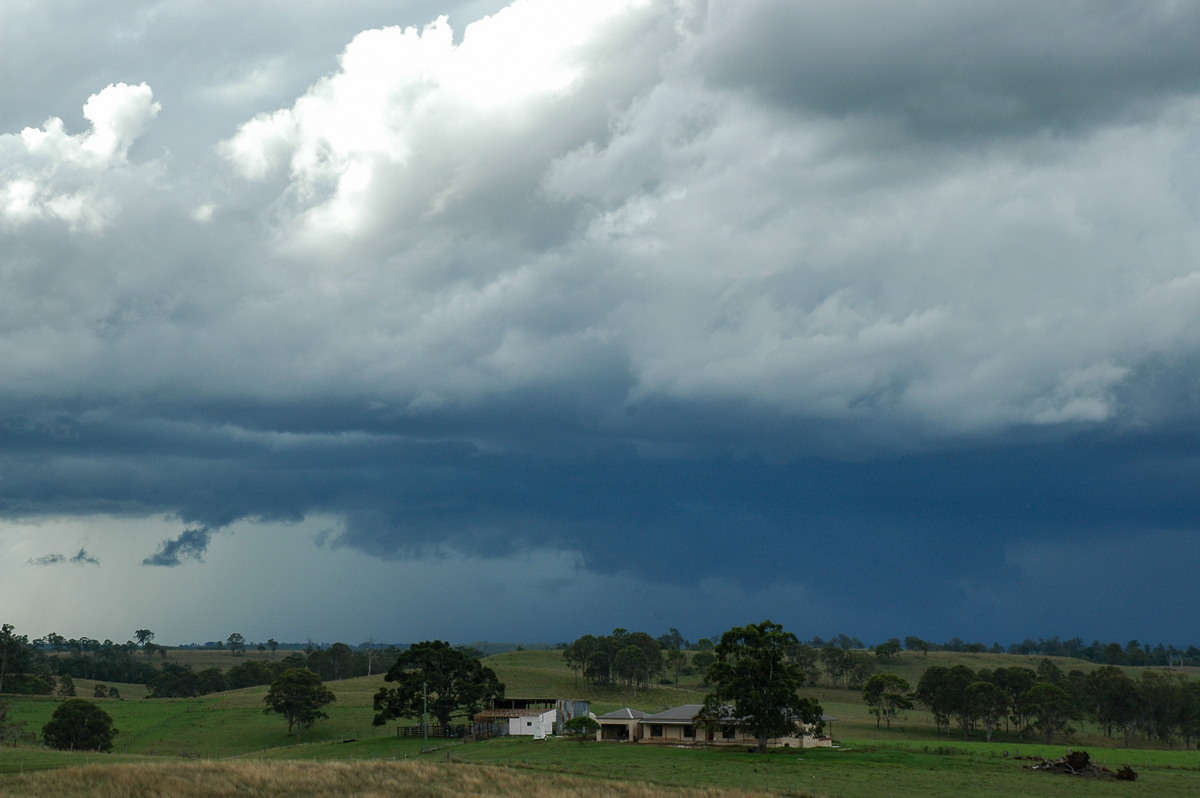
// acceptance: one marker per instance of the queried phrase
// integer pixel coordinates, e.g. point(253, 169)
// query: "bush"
point(79, 725)
point(581, 727)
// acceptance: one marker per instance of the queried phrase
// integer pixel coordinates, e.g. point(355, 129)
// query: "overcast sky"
point(353, 318)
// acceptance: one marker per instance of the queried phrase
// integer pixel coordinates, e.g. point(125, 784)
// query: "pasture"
point(226, 739)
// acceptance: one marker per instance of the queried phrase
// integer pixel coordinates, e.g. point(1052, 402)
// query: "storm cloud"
point(783, 294)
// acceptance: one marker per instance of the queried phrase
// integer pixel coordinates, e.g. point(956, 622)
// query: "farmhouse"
point(685, 725)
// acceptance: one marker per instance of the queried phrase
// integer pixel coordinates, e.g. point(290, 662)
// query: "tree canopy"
point(79, 725)
point(451, 681)
point(298, 694)
point(753, 673)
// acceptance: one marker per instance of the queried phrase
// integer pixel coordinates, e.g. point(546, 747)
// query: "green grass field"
point(907, 760)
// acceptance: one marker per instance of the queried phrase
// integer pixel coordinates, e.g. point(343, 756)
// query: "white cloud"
point(435, 224)
point(48, 173)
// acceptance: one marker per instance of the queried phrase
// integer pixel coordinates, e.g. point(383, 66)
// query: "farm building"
point(685, 725)
point(527, 717)
point(621, 724)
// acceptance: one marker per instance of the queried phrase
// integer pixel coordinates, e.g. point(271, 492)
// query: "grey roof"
point(684, 713)
point(624, 713)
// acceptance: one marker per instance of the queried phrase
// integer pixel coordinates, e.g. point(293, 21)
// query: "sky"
point(475, 320)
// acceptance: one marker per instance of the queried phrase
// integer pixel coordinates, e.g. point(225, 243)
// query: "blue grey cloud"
point(189, 545)
point(79, 558)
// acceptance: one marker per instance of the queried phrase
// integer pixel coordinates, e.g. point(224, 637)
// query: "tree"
point(79, 725)
point(914, 643)
point(989, 703)
point(143, 636)
point(1051, 709)
point(15, 652)
point(236, 643)
point(886, 651)
point(582, 727)
point(702, 661)
point(12, 732)
point(272, 644)
point(298, 694)
point(943, 691)
point(434, 673)
point(752, 672)
point(886, 695)
point(675, 659)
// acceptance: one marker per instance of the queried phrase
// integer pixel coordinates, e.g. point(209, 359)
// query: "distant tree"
point(433, 671)
point(250, 673)
point(298, 694)
point(1014, 681)
point(943, 691)
point(472, 651)
point(100, 691)
point(887, 651)
point(15, 652)
point(113, 692)
point(672, 639)
point(704, 644)
point(12, 732)
point(341, 660)
point(79, 725)
point(212, 680)
point(752, 673)
point(143, 636)
point(1051, 709)
point(989, 703)
point(262, 649)
point(702, 661)
point(66, 686)
point(886, 696)
point(371, 653)
point(581, 727)
point(914, 643)
point(833, 660)
point(1113, 700)
point(236, 643)
point(675, 659)
point(1050, 673)
point(272, 644)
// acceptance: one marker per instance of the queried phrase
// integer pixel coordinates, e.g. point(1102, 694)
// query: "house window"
point(689, 732)
point(656, 730)
point(728, 732)
point(528, 723)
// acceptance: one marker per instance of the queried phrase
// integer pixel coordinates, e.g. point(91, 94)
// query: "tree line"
point(49, 665)
point(1160, 706)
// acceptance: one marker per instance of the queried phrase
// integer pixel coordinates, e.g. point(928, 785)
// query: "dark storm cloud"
point(952, 69)
point(189, 545)
point(80, 558)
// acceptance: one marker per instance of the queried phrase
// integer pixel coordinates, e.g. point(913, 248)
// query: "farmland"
point(226, 737)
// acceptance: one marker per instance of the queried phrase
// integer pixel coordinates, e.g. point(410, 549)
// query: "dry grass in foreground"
point(325, 780)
